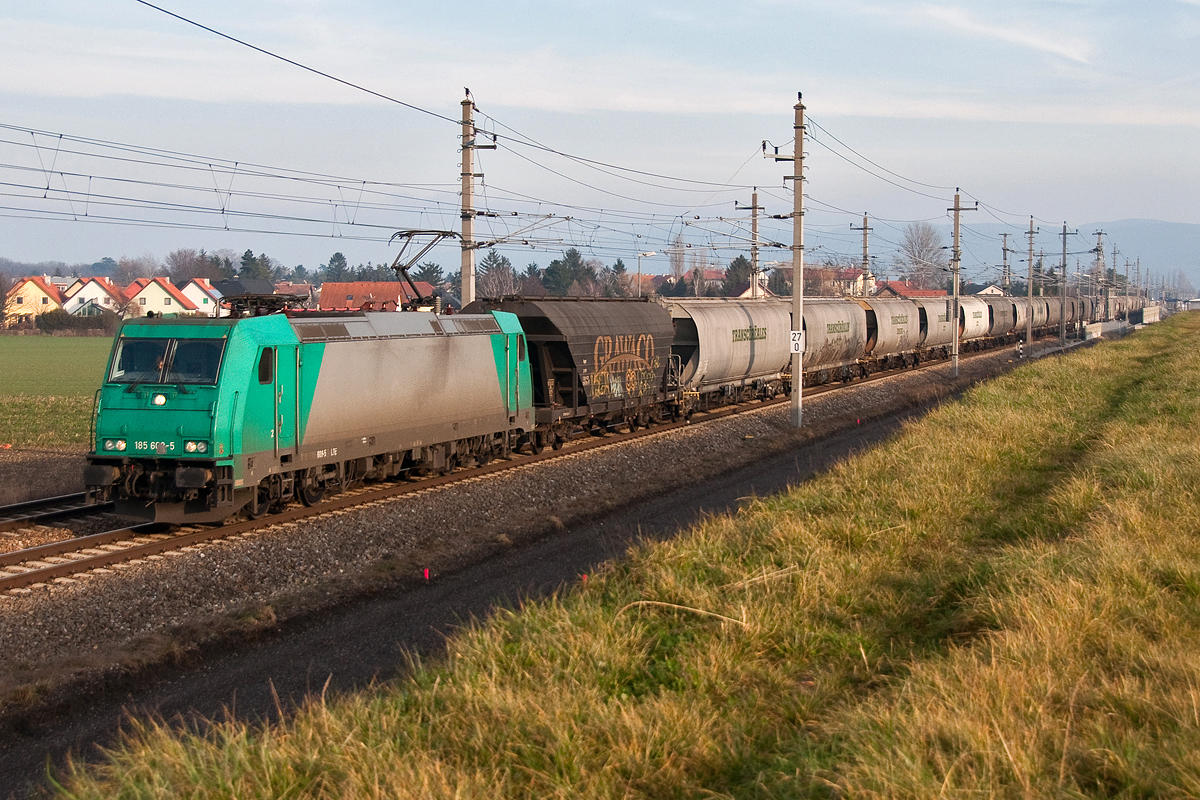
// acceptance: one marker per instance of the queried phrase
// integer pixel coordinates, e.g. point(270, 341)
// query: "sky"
point(620, 126)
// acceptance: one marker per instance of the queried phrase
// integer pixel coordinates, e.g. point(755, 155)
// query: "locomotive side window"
point(520, 348)
point(266, 366)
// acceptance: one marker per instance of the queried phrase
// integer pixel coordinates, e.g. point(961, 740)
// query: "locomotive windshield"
point(193, 361)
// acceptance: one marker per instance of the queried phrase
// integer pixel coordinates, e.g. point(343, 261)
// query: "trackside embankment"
point(1002, 601)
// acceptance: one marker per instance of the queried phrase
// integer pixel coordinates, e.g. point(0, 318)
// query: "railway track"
point(60, 561)
point(49, 509)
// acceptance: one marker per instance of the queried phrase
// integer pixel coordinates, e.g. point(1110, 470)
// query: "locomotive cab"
point(156, 433)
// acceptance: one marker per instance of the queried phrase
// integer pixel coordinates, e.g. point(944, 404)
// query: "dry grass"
point(1001, 602)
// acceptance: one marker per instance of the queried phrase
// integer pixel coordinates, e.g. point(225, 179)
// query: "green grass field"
point(1002, 602)
point(46, 388)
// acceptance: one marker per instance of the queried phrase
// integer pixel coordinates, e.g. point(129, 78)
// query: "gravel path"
point(111, 623)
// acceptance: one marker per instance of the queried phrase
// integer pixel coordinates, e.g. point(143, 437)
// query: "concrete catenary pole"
point(797, 215)
point(956, 270)
point(754, 209)
point(468, 201)
point(1062, 292)
point(1005, 276)
point(1029, 316)
point(798, 263)
point(866, 261)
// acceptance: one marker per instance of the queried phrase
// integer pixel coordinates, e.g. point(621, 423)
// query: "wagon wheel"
point(537, 442)
point(557, 442)
point(260, 502)
point(311, 488)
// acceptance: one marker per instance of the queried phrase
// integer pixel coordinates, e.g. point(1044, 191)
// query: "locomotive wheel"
point(260, 502)
point(311, 490)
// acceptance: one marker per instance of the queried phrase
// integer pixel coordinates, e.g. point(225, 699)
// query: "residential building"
point(30, 297)
point(92, 296)
point(158, 295)
point(202, 294)
point(906, 289)
point(370, 295)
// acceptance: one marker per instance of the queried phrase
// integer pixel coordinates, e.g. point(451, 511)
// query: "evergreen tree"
point(737, 274)
point(568, 273)
point(336, 269)
point(429, 272)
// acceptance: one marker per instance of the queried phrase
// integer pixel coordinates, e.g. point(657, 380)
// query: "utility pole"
point(1062, 292)
point(754, 208)
point(1029, 315)
point(1006, 275)
point(797, 333)
point(1041, 273)
point(1098, 269)
point(955, 268)
point(469, 146)
point(1127, 291)
point(866, 262)
point(1110, 285)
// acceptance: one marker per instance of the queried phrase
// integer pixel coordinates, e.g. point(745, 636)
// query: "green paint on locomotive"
point(222, 406)
point(512, 359)
point(256, 396)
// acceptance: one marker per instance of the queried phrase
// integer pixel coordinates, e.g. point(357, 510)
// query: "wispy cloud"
point(1072, 48)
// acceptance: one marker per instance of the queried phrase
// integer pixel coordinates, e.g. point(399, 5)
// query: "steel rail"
point(48, 509)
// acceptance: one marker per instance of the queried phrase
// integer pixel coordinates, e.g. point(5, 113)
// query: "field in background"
point(46, 388)
point(1001, 602)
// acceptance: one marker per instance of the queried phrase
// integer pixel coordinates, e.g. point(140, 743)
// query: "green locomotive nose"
point(160, 393)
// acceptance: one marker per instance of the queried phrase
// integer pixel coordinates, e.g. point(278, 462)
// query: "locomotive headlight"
point(109, 444)
point(202, 447)
point(160, 400)
point(120, 444)
point(190, 447)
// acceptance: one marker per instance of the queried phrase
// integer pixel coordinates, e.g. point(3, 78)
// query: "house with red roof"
point(206, 299)
point(93, 295)
point(30, 297)
point(370, 295)
point(157, 295)
point(907, 290)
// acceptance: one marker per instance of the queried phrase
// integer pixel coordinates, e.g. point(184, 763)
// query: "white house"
point(157, 295)
point(206, 299)
point(991, 291)
point(92, 295)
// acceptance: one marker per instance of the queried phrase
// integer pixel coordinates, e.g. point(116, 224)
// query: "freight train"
point(200, 419)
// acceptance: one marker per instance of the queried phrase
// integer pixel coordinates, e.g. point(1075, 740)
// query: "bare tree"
point(675, 258)
point(922, 258)
point(130, 269)
point(184, 264)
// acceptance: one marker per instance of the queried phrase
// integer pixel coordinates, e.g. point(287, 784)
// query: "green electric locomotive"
point(199, 419)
